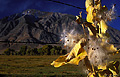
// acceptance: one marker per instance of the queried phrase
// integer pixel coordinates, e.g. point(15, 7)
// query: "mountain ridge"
point(44, 27)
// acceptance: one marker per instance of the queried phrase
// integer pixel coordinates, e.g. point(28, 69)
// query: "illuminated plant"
point(94, 48)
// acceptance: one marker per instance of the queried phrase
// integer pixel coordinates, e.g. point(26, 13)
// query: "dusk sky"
point(9, 7)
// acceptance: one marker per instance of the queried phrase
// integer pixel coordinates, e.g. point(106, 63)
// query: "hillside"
point(41, 27)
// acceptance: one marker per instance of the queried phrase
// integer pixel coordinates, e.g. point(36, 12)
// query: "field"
point(24, 66)
point(35, 66)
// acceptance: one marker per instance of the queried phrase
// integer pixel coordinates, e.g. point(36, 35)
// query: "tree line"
point(45, 50)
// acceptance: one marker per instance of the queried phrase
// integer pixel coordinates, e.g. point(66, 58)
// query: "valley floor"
point(33, 66)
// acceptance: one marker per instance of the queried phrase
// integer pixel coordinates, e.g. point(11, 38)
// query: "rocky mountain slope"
point(42, 27)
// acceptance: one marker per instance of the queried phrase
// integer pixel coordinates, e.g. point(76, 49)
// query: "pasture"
point(29, 66)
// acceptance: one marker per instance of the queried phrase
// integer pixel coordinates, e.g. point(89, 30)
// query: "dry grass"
point(38, 66)
point(35, 66)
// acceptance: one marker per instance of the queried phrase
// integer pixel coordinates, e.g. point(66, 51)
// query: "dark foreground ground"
point(39, 66)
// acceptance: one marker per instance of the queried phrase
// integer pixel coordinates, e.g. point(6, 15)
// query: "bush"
point(56, 52)
point(63, 52)
point(46, 49)
point(23, 50)
point(40, 52)
point(28, 51)
point(52, 51)
point(59, 48)
point(34, 51)
point(9, 51)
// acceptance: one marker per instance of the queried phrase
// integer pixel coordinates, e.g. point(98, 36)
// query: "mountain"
point(41, 27)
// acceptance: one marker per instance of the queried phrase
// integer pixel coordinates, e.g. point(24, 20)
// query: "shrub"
point(28, 51)
point(40, 52)
point(56, 52)
point(9, 51)
point(23, 50)
point(52, 51)
point(46, 49)
point(63, 52)
point(34, 51)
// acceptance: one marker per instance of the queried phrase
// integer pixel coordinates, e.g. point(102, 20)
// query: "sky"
point(9, 7)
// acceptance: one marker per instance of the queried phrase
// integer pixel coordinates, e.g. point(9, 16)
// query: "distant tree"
point(46, 49)
point(55, 47)
point(14, 52)
point(40, 52)
point(56, 52)
point(9, 51)
point(52, 51)
point(59, 48)
point(63, 52)
point(32, 53)
point(23, 50)
point(28, 51)
point(17, 52)
point(34, 50)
